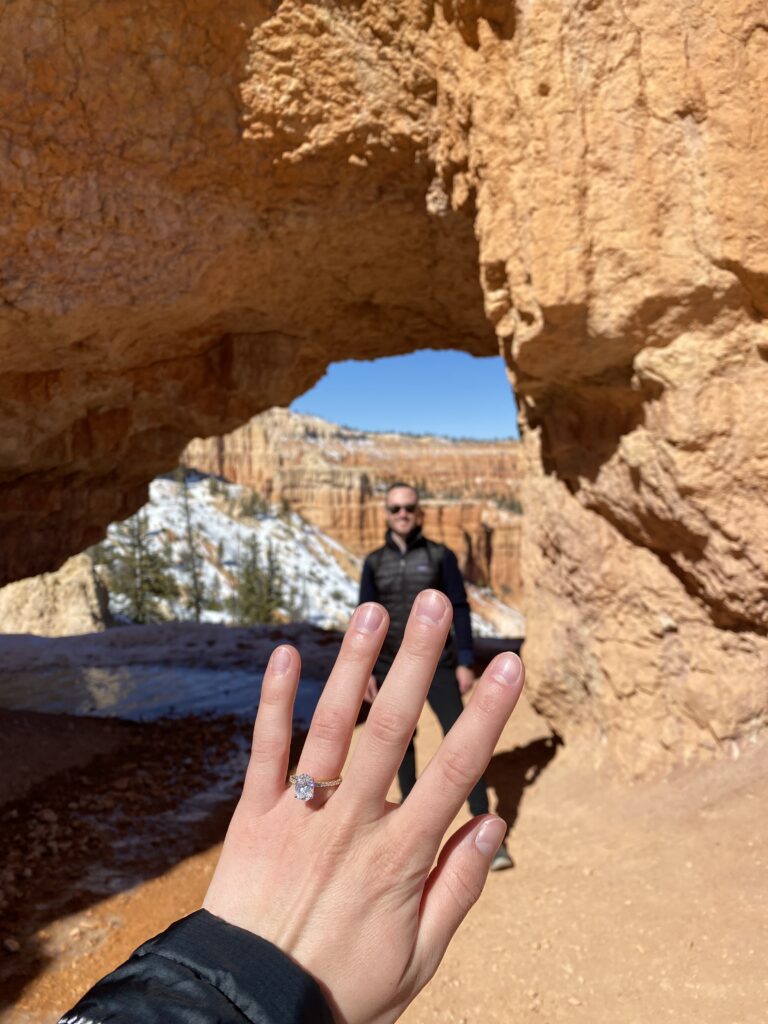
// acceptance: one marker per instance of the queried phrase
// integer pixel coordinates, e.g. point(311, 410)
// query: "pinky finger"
point(270, 750)
point(454, 887)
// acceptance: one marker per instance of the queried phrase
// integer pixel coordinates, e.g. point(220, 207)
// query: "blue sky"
point(425, 392)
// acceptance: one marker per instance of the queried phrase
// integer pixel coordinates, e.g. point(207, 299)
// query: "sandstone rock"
point(336, 477)
point(194, 233)
point(618, 155)
point(63, 603)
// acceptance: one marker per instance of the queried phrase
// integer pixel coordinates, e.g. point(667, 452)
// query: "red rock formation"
point(335, 477)
point(207, 205)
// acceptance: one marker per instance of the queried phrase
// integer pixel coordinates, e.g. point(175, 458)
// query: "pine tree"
point(295, 601)
point(213, 597)
point(138, 572)
point(259, 588)
point(194, 597)
point(253, 505)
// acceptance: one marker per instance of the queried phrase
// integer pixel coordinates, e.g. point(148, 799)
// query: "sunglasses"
point(394, 509)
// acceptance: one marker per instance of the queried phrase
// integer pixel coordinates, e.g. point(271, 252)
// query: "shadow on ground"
point(97, 829)
point(512, 772)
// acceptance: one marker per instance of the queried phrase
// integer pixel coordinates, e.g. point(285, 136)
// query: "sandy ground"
point(628, 904)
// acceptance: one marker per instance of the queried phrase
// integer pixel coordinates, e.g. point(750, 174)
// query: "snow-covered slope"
point(318, 589)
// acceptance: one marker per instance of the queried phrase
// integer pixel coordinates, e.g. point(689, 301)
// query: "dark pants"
point(445, 700)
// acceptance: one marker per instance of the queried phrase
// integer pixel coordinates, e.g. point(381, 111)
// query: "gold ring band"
point(319, 783)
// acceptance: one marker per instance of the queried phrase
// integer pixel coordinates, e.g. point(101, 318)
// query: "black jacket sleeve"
point(368, 589)
point(453, 587)
point(204, 971)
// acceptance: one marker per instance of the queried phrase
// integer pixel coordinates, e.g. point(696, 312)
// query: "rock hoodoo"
point(206, 206)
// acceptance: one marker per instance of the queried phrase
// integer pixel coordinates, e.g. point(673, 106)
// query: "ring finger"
point(333, 722)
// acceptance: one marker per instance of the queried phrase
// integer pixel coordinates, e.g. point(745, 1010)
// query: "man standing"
point(393, 575)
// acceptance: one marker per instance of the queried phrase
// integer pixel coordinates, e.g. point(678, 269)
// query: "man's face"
point(403, 512)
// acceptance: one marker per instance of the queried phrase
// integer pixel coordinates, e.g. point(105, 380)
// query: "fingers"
point(465, 752)
point(453, 888)
point(268, 765)
point(334, 719)
point(397, 707)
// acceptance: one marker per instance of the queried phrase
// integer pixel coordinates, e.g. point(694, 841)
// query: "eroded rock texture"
point(204, 205)
point(68, 602)
point(207, 203)
point(620, 153)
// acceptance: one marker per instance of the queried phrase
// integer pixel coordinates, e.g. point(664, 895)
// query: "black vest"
point(399, 576)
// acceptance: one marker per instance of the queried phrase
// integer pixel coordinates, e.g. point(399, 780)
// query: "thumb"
point(453, 887)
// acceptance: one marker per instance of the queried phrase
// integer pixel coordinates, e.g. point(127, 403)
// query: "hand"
point(371, 690)
point(466, 678)
point(347, 881)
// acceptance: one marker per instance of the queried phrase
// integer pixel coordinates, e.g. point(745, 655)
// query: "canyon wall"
point(206, 205)
point(336, 478)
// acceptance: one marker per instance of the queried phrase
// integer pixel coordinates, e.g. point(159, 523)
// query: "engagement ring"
point(304, 786)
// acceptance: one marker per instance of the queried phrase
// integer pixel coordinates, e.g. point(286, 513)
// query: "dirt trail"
point(628, 904)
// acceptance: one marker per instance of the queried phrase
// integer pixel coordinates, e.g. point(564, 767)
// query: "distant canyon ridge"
point(207, 204)
point(336, 477)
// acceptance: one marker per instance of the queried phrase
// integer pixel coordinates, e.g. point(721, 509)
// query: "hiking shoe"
point(502, 860)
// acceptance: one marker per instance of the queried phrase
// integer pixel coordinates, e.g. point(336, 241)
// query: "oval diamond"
point(304, 787)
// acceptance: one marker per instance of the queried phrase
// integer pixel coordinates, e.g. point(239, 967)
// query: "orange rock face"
point(206, 206)
point(336, 477)
point(203, 208)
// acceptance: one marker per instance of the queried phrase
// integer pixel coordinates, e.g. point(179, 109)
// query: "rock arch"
point(206, 205)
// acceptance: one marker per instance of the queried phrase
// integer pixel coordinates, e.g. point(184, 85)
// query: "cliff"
point(335, 477)
point(209, 204)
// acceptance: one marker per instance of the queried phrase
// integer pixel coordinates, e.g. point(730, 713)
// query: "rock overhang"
point(209, 206)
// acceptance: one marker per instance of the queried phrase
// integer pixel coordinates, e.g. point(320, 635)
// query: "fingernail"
point(280, 661)
point(368, 618)
point(490, 836)
point(507, 668)
point(430, 606)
